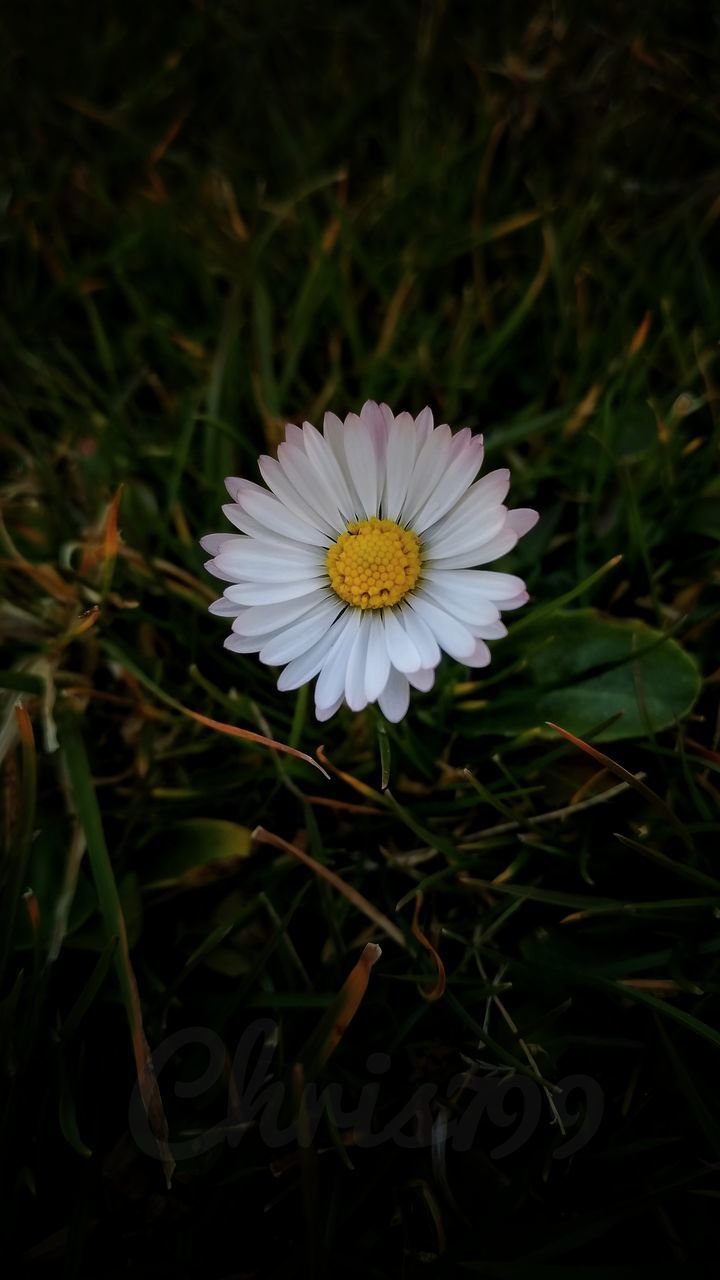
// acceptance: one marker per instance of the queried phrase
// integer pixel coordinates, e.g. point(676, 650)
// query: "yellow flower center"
point(374, 564)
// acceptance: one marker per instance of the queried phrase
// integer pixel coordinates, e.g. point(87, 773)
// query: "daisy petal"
point(372, 416)
point(329, 471)
point(330, 688)
point(212, 542)
point(304, 668)
point(273, 515)
point(522, 520)
point(423, 679)
point(465, 462)
point(237, 484)
point(245, 644)
point(303, 477)
point(424, 424)
point(480, 657)
point(503, 542)
point(362, 460)
point(355, 695)
point(421, 635)
point(450, 634)
point(247, 593)
point(271, 617)
point(218, 571)
point(325, 713)
point(224, 608)
point(497, 587)
point(262, 562)
point(252, 529)
point(431, 463)
point(402, 650)
point(395, 697)
point(399, 462)
point(275, 479)
point(516, 602)
point(377, 667)
point(334, 435)
point(492, 631)
point(294, 640)
point(470, 607)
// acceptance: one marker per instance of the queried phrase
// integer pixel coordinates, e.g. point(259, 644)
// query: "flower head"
point(358, 563)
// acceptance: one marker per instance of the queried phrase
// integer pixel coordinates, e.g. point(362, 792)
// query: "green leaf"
point(583, 668)
point(196, 851)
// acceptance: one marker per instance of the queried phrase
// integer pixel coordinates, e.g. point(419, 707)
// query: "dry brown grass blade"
point(342, 806)
point(361, 787)
point(632, 780)
point(438, 990)
point(347, 890)
point(336, 1021)
point(234, 732)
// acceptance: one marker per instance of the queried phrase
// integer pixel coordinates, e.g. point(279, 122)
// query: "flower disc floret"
point(374, 563)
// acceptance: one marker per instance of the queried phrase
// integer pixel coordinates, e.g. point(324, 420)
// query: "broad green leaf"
point(194, 852)
point(583, 668)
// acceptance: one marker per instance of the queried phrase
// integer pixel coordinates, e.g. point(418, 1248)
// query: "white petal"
point(257, 561)
point(304, 478)
point(224, 608)
point(503, 542)
point(295, 639)
point(250, 526)
point(374, 419)
point(467, 605)
point(307, 665)
point(363, 463)
point(402, 651)
point(275, 478)
point(395, 697)
point(377, 668)
point(492, 631)
point(275, 516)
point(522, 520)
point(245, 644)
point(247, 593)
point(465, 462)
point(430, 465)
point(464, 540)
point(271, 617)
point(213, 542)
point(324, 713)
point(399, 462)
point(480, 657)
point(423, 426)
point(293, 435)
point(388, 416)
point(483, 497)
point(421, 636)
point(218, 571)
point(329, 471)
point(469, 517)
point(497, 587)
point(330, 688)
point(355, 695)
point(334, 435)
point(238, 484)
point(450, 634)
point(423, 679)
point(516, 602)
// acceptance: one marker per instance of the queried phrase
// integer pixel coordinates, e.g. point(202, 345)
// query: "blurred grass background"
point(218, 217)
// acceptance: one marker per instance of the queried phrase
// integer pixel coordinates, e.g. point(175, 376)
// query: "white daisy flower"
point(358, 563)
